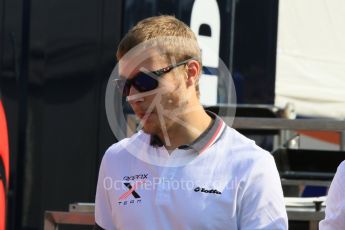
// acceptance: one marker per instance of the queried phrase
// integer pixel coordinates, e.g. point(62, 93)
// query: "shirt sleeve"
point(262, 204)
point(335, 203)
point(103, 208)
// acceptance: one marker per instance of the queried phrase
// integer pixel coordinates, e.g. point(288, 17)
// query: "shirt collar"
point(205, 140)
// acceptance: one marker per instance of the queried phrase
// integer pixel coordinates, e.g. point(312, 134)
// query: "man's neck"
point(194, 124)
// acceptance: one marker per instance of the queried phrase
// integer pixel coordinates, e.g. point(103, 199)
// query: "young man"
point(186, 169)
point(335, 204)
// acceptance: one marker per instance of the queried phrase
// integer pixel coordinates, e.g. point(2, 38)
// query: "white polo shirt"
point(335, 203)
point(221, 181)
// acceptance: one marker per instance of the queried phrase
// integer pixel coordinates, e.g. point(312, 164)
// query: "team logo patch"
point(132, 196)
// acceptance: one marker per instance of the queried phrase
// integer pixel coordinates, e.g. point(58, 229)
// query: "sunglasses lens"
point(143, 82)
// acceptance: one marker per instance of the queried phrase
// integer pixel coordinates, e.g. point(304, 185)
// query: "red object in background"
point(326, 136)
point(4, 164)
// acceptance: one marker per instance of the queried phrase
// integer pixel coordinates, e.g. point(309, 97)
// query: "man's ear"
point(193, 72)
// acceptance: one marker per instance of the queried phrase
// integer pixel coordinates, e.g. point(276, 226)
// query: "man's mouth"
point(143, 115)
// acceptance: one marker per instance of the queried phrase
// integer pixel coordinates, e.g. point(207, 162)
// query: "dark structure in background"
point(255, 44)
point(56, 57)
point(55, 60)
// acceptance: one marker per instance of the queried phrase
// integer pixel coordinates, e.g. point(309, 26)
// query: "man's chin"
point(150, 129)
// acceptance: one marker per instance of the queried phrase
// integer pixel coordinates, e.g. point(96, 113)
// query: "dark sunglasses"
point(146, 81)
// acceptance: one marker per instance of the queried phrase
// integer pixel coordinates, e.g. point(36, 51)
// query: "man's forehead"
point(150, 60)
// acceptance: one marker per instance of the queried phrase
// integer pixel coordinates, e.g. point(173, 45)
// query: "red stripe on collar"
point(213, 139)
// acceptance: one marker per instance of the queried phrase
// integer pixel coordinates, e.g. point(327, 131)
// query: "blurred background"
point(56, 57)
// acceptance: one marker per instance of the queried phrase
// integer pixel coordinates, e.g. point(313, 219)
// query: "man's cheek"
point(171, 102)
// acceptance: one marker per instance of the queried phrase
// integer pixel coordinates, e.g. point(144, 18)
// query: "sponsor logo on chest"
point(214, 191)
